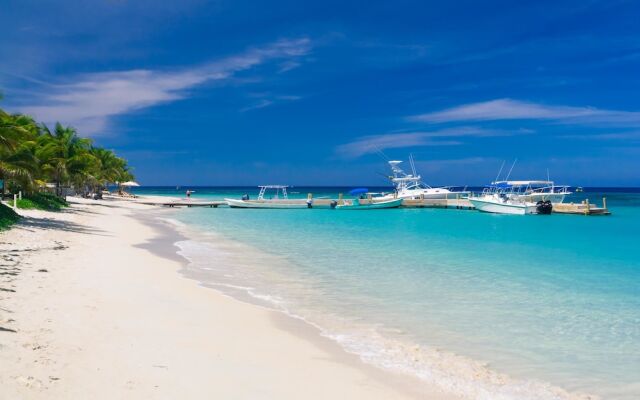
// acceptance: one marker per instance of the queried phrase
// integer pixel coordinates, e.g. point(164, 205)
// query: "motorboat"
point(279, 199)
point(519, 197)
point(411, 186)
point(358, 204)
point(511, 197)
point(535, 191)
point(366, 200)
point(500, 204)
point(496, 198)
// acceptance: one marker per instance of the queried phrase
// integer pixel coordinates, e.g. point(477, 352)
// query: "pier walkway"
point(184, 203)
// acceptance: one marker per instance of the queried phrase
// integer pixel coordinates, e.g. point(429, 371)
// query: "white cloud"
point(261, 104)
point(508, 109)
point(628, 135)
point(289, 65)
point(373, 143)
point(268, 99)
point(92, 99)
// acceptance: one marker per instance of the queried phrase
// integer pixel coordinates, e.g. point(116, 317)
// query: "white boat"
point(279, 200)
point(495, 203)
point(519, 197)
point(411, 186)
point(535, 191)
point(513, 197)
point(357, 204)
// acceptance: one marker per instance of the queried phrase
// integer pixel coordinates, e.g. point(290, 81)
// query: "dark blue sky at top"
point(253, 92)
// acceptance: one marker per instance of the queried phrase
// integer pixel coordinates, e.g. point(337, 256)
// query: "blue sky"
point(251, 92)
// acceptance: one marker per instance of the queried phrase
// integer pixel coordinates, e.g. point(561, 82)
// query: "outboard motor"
point(333, 204)
point(544, 207)
point(245, 197)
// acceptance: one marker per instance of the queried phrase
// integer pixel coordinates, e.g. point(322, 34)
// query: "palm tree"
point(17, 141)
point(64, 155)
point(31, 155)
point(109, 165)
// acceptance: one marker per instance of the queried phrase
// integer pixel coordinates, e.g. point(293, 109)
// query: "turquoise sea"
point(487, 306)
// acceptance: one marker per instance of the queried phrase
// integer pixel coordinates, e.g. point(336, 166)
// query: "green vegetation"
point(34, 159)
point(42, 201)
point(8, 217)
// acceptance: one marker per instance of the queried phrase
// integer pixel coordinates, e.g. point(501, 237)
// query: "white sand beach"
point(88, 312)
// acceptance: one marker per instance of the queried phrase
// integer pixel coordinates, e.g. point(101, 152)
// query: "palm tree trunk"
point(58, 191)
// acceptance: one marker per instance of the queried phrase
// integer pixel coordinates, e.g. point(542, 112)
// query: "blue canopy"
point(358, 191)
point(500, 185)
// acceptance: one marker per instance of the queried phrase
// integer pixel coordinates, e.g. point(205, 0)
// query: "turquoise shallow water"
point(553, 301)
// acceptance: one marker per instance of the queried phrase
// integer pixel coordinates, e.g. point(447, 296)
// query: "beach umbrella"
point(130, 183)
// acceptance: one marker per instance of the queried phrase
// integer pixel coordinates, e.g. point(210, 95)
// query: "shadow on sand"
point(53, 224)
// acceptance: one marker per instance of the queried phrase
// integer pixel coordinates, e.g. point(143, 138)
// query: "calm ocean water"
point(458, 298)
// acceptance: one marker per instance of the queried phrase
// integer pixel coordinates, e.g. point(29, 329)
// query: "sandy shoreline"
point(92, 306)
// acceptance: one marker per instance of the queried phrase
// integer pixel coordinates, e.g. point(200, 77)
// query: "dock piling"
point(586, 208)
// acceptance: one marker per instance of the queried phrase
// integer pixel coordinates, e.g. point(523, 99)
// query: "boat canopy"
point(358, 191)
point(278, 189)
point(500, 185)
point(524, 183)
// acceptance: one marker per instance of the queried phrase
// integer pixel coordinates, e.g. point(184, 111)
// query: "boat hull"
point(371, 206)
point(503, 208)
point(267, 204)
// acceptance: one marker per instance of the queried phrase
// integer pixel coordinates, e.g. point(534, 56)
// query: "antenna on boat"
point(499, 172)
point(512, 165)
point(382, 155)
point(412, 163)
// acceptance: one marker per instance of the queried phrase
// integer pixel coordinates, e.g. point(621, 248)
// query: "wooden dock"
point(460, 204)
point(184, 203)
point(583, 208)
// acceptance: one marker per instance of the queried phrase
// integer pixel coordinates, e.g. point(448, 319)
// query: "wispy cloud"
point(261, 104)
point(508, 109)
point(289, 65)
point(91, 99)
point(267, 99)
point(288, 97)
point(444, 137)
point(626, 135)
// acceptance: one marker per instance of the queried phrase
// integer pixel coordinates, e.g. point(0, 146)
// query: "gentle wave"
point(212, 262)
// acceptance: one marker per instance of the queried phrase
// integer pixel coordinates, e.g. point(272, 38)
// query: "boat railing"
point(551, 190)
